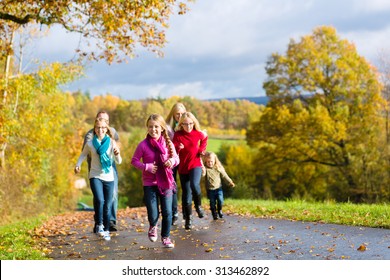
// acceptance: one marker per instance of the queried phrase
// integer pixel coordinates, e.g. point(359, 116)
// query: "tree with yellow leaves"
point(110, 28)
point(323, 122)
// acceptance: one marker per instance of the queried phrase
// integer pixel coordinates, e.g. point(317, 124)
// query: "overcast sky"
point(220, 47)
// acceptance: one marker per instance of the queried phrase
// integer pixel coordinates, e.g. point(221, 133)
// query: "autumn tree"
point(41, 147)
point(322, 121)
point(384, 70)
point(112, 27)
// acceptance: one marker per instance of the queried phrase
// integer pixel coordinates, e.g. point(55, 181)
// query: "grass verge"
point(17, 241)
point(368, 215)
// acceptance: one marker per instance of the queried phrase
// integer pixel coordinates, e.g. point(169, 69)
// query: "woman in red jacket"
point(190, 143)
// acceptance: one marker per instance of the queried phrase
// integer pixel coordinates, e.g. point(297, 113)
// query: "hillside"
point(261, 100)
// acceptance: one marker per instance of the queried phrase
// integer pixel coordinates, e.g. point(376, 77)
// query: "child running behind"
point(214, 174)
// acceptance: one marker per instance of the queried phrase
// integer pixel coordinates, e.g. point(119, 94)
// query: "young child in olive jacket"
point(214, 173)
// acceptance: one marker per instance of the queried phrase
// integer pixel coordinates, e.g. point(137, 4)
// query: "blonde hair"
point(104, 121)
point(171, 116)
point(218, 165)
point(192, 117)
point(160, 120)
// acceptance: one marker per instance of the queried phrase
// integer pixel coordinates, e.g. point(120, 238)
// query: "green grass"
point(17, 241)
point(214, 144)
point(368, 215)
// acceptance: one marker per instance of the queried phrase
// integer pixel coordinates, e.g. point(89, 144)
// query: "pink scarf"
point(164, 175)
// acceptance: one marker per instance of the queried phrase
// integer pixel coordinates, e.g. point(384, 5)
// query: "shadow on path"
point(234, 237)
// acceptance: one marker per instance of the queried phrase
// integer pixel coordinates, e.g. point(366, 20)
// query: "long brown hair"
point(171, 116)
point(160, 120)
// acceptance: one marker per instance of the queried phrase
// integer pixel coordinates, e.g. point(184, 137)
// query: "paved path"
point(234, 237)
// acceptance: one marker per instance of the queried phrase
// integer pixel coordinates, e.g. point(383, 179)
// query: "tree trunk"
point(2, 155)
point(3, 146)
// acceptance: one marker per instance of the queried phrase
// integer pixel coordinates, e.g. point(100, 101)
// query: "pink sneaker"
point(152, 234)
point(167, 243)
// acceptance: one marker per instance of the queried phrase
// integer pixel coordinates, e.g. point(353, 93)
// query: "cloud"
point(225, 29)
point(129, 91)
point(220, 47)
point(370, 43)
point(373, 5)
point(57, 45)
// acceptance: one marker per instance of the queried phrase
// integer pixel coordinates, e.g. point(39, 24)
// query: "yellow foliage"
point(112, 29)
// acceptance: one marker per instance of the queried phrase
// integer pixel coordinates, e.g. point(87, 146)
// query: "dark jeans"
point(190, 184)
point(102, 194)
point(216, 198)
point(153, 199)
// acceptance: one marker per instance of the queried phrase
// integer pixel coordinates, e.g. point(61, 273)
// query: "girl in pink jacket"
point(156, 156)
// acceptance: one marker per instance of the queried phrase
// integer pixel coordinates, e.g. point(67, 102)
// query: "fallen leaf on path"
point(224, 257)
point(362, 248)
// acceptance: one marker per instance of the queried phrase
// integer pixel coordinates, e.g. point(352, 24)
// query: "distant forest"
point(260, 100)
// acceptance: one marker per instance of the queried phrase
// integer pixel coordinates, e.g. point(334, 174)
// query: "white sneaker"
point(167, 242)
point(106, 236)
point(99, 230)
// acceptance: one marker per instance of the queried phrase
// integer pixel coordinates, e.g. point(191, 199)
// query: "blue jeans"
point(102, 193)
point(190, 184)
point(153, 199)
point(216, 198)
point(114, 205)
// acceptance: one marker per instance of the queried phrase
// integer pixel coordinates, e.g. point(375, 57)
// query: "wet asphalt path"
point(233, 238)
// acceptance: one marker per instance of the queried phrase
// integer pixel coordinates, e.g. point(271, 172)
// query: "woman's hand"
point(77, 170)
